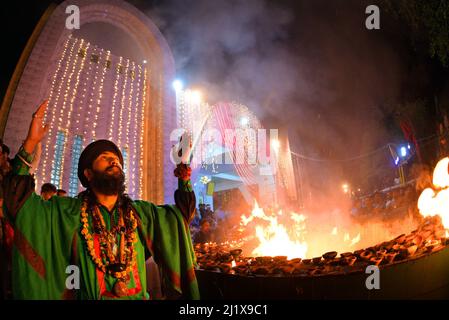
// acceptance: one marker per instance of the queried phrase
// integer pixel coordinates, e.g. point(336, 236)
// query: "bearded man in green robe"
point(94, 246)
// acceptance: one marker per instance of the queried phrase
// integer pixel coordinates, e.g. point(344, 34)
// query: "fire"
point(352, 241)
point(435, 201)
point(274, 241)
point(334, 231)
point(355, 240)
point(274, 238)
point(283, 233)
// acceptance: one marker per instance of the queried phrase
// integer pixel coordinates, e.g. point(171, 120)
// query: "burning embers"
point(428, 238)
point(283, 251)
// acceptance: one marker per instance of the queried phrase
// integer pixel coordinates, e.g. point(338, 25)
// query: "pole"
point(401, 174)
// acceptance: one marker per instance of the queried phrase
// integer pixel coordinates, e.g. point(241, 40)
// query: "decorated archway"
point(94, 94)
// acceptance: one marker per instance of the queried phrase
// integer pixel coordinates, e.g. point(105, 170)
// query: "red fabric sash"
point(100, 276)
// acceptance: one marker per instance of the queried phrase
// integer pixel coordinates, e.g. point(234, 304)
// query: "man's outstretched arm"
point(185, 197)
point(19, 184)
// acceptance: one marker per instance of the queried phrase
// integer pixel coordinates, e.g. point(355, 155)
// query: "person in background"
point(5, 161)
point(202, 210)
point(48, 190)
point(196, 219)
point(6, 230)
point(61, 193)
point(219, 213)
point(210, 216)
point(205, 233)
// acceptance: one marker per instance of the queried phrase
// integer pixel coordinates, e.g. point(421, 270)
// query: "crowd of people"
point(213, 226)
point(388, 204)
point(203, 224)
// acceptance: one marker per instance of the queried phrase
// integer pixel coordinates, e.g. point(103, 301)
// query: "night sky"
point(310, 67)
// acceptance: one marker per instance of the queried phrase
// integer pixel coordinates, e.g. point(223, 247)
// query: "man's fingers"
point(46, 128)
point(41, 110)
point(38, 148)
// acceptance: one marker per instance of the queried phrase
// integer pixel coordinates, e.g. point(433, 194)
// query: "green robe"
point(48, 240)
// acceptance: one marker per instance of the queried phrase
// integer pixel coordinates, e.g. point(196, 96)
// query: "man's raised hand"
point(37, 129)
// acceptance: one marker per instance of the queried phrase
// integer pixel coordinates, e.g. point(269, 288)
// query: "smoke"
point(310, 67)
point(233, 50)
point(336, 231)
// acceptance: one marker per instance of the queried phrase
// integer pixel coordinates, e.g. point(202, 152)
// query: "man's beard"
point(106, 183)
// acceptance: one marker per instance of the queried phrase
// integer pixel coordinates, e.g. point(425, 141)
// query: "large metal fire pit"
point(423, 278)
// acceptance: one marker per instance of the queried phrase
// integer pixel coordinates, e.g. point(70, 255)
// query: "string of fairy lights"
point(65, 126)
point(77, 101)
point(128, 125)
point(59, 125)
point(159, 138)
point(122, 101)
point(50, 97)
point(46, 146)
point(83, 94)
point(100, 91)
point(83, 53)
point(142, 117)
point(91, 98)
point(53, 82)
point(137, 120)
point(77, 138)
point(49, 143)
point(114, 98)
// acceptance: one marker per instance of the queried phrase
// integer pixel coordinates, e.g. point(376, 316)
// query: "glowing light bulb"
point(275, 144)
point(196, 97)
point(403, 151)
point(178, 85)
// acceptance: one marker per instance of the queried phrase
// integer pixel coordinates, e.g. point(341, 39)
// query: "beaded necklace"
point(117, 261)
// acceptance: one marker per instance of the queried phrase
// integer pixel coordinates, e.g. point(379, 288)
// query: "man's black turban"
point(91, 152)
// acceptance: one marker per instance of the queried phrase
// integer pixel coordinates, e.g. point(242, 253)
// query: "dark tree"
point(428, 24)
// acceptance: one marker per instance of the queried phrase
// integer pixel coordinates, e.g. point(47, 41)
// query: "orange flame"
point(274, 238)
point(281, 234)
point(435, 201)
point(334, 231)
